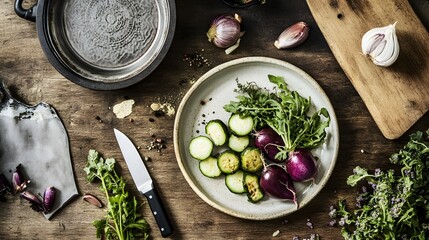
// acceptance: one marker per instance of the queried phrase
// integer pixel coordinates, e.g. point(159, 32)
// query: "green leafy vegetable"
point(391, 206)
point(285, 111)
point(122, 220)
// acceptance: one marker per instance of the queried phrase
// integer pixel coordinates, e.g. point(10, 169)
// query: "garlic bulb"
point(381, 45)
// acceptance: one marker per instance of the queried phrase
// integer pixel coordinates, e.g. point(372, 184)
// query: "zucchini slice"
point(234, 182)
point(217, 131)
point(253, 190)
point(238, 143)
point(200, 147)
point(228, 162)
point(251, 160)
point(209, 168)
point(240, 126)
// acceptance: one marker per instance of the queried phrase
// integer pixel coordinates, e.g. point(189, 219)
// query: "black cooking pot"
point(103, 45)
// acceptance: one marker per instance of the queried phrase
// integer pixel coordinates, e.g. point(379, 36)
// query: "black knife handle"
point(158, 211)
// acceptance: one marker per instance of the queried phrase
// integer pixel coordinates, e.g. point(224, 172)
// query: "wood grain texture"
point(395, 96)
point(89, 120)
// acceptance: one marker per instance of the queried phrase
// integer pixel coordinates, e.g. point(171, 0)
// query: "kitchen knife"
point(144, 183)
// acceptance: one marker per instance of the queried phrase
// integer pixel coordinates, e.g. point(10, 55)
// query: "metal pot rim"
point(71, 65)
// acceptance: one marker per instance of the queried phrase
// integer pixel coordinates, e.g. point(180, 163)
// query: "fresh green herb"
point(391, 206)
point(285, 111)
point(122, 220)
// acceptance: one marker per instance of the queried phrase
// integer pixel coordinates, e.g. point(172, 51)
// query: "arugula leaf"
point(391, 206)
point(285, 111)
point(122, 220)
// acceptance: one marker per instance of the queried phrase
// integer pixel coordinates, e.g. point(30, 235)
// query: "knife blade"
point(144, 183)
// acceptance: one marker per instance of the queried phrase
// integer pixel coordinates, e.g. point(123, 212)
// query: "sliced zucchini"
point(253, 190)
point(200, 147)
point(251, 160)
point(240, 126)
point(228, 162)
point(234, 182)
point(209, 168)
point(237, 143)
point(217, 131)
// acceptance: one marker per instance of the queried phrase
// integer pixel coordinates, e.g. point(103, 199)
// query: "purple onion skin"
point(224, 31)
point(48, 199)
point(268, 141)
point(276, 183)
point(18, 181)
point(35, 202)
point(301, 166)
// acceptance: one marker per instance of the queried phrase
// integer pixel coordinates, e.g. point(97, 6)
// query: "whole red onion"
point(269, 142)
point(276, 183)
point(301, 165)
point(224, 31)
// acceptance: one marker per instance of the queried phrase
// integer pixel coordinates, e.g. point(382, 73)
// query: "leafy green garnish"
point(391, 206)
point(285, 111)
point(122, 220)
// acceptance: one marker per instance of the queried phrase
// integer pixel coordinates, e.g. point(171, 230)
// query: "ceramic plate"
point(205, 101)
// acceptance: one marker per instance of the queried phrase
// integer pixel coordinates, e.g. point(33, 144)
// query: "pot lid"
point(106, 45)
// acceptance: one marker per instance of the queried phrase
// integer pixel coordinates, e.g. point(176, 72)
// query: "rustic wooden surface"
point(395, 96)
point(88, 118)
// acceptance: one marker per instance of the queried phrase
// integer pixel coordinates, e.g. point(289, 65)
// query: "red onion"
point(276, 183)
point(301, 165)
point(224, 31)
point(269, 142)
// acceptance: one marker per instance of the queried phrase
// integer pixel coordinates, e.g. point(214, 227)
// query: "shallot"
point(225, 30)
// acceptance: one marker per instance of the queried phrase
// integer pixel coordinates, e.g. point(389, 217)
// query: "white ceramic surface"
point(205, 101)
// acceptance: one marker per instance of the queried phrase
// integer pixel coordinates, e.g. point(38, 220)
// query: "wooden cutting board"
point(396, 96)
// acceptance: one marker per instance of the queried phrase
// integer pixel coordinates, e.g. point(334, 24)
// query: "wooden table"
point(89, 119)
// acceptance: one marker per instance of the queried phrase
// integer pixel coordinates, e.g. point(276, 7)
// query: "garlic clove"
point(93, 200)
point(381, 45)
point(292, 36)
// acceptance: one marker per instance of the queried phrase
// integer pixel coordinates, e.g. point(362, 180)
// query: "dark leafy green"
point(391, 206)
point(122, 220)
point(285, 111)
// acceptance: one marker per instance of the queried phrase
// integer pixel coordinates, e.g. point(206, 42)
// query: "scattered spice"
point(276, 233)
point(156, 144)
point(98, 118)
point(309, 224)
point(195, 60)
point(161, 109)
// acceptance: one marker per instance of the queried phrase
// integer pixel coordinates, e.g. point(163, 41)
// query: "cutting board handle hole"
point(340, 16)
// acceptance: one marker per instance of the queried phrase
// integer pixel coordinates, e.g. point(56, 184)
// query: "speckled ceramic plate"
point(205, 101)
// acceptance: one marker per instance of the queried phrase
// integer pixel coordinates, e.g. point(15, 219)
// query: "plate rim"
point(323, 181)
